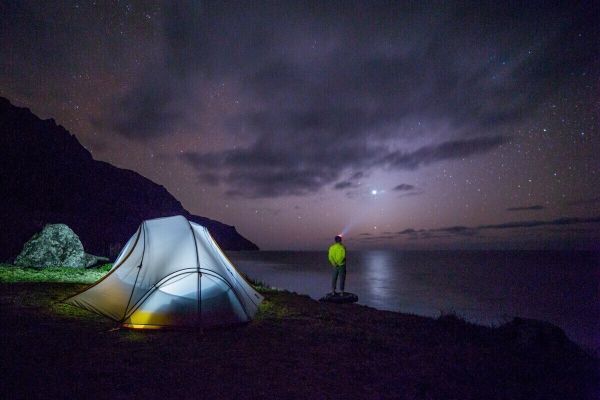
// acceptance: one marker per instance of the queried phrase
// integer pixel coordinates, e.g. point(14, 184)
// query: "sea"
point(484, 287)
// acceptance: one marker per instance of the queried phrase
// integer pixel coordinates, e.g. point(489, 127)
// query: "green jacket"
point(337, 255)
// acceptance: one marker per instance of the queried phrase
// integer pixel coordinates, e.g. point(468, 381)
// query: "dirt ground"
point(296, 348)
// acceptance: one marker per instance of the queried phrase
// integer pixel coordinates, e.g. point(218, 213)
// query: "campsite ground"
point(296, 348)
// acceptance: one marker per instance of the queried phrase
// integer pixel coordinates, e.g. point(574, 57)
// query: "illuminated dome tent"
point(171, 273)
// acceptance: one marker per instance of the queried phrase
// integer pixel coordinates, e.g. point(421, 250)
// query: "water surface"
point(487, 287)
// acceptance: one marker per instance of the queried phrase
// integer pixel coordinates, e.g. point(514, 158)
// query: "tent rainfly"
point(171, 273)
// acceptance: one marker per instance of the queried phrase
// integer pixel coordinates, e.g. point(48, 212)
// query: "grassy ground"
point(296, 348)
point(10, 273)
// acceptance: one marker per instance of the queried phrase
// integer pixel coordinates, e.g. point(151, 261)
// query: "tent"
point(171, 273)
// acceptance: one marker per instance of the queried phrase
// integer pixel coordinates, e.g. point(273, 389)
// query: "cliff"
point(47, 176)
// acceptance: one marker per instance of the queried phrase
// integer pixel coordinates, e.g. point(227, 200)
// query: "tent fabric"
point(171, 272)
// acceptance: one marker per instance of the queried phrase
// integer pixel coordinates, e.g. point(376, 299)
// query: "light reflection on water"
point(378, 277)
point(483, 287)
point(387, 286)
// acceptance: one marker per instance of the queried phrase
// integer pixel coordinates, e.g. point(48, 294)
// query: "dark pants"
point(341, 271)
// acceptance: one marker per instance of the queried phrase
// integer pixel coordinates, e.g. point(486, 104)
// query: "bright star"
point(373, 192)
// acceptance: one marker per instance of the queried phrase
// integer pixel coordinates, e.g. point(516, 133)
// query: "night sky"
point(408, 125)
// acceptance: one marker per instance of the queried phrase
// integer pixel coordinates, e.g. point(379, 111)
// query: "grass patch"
point(258, 285)
point(11, 274)
point(66, 310)
point(271, 310)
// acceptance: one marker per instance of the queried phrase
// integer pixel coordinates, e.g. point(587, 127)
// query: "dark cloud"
point(345, 185)
point(457, 230)
point(371, 238)
point(294, 167)
point(354, 194)
point(567, 224)
point(427, 235)
point(452, 229)
point(357, 175)
point(403, 187)
point(444, 151)
point(265, 171)
point(407, 231)
point(535, 223)
point(526, 208)
point(475, 230)
point(352, 182)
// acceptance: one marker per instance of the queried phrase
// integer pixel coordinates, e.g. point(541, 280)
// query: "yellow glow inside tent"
point(141, 317)
point(134, 326)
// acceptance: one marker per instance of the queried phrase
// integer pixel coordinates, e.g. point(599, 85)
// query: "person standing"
point(337, 259)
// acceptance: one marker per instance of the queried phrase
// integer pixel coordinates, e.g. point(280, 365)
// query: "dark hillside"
point(47, 176)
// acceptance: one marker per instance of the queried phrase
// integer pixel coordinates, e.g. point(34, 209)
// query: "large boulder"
point(55, 246)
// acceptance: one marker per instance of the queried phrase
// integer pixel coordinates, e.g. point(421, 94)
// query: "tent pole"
point(199, 305)
point(198, 283)
point(138, 273)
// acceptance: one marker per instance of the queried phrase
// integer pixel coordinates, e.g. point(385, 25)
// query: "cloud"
point(263, 171)
point(536, 223)
point(320, 91)
point(445, 151)
point(352, 182)
point(526, 208)
point(476, 230)
point(452, 229)
point(271, 169)
point(367, 237)
point(357, 175)
point(408, 231)
point(403, 187)
point(345, 185)
point(567, 225)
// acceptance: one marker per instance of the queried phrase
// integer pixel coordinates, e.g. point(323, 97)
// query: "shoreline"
point(483, 288)
point(508, 319)
point(295, 348)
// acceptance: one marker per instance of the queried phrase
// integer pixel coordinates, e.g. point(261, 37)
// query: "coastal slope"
point(296, 348)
